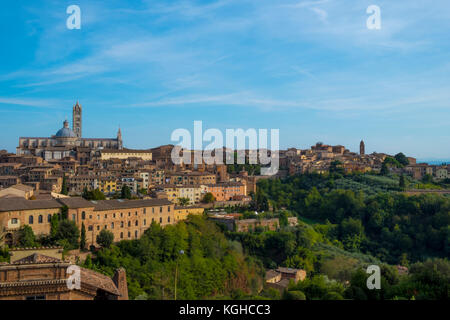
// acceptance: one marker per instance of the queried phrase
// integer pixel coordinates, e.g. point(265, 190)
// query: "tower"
point(77, 121)
point(119, 139)
point(362, 148)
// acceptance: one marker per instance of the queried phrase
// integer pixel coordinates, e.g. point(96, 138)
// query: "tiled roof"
point(15, 204)
point(37, 258)
point(99, 280)
point(74, 203)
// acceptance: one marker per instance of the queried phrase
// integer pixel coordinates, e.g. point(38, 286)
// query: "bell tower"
point(77, 121)
point(362, 148)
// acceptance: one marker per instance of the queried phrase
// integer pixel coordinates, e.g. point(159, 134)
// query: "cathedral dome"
point(65, 132)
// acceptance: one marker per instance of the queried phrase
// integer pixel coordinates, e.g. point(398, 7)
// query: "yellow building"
point(107, 185)
point(181, 213)
point(194, 193)
point(107, 154)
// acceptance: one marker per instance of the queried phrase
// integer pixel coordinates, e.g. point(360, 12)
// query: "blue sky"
point(309, 68)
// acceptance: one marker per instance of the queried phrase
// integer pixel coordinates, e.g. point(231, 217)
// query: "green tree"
point(105, 238)
point(125, 193)
point(26, 237)
point(402, 159)
point(68, 231)
point(384, 169)
point(83, 237)
point(208, 198)
point(64, 188)
point(402, 182)
point(183, 201)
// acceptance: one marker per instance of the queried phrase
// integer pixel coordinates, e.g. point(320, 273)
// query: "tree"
point(384, 169)
point(83, 237)
point(336, 167)
point(93, 195)
point(126, 192)
point(183, 201)
point(402, 183)
point(64, 188)
point(208, 198)
point(26, 237)
point(105, 238)
point(68, 230)
point(402, 159)
point(428, 178)
point(54, 223)
point(64, 212)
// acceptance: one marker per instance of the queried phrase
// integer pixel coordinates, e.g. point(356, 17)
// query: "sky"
point(311, 69)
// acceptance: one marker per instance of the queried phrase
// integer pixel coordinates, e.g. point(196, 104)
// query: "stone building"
point(38, 276)
point(126, 219)
point(66, 142)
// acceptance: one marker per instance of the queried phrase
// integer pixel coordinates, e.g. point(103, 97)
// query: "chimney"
point(120, 280)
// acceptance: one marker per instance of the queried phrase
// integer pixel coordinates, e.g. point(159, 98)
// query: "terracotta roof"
point(22, 187)
point(15, 204)
point(37, 258)
point(99, 280)
point(270, 274)
point(75, 203)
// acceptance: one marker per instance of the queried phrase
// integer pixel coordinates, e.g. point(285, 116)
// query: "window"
point(106, 216)
point(129, 214)
point(35, 298)
point(121, 235)
point(168, 219)
point(49, 218)
point(98, 217)
point(98, 228)
point(168, 208)
point(30, 220)
point(114, 215)
point(40, 219)
point(90, 228)
point(160, 220)
point(129, 223)
point(73, 217)
point(145, 222)
point(112, 225)
point(160, 209)
point(136, 213)
point(153, 210)
point(121, 224)
point(136, 234)
point(129, 234)
point(121, 214)
point(14, 220)
point(145, 210)
point(83, 215)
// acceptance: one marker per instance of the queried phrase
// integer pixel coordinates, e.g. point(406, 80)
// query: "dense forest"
point(206, 264)
point(387, 225)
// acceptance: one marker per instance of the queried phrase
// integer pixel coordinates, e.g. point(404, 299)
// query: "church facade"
point(67, 142)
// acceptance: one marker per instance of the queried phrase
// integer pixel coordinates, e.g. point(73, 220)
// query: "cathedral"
point(67, 142)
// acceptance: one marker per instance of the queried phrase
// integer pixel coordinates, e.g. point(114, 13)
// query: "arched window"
point(83, 215)
point(168, 219)
point(40, 219)
point(30, 220)
point(129, 223)
point(136, 223)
